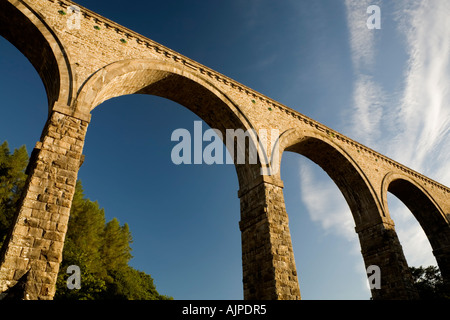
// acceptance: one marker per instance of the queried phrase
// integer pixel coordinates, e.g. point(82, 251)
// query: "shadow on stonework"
point(16, 292)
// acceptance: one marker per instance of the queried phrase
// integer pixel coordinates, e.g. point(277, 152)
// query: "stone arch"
point(379, 242)
point(167, 80)
point(31, 35)
point(427, 212)
point(256, 192)
point(341, 168)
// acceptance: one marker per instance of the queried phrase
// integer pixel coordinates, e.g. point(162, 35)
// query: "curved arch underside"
point(344, 173)
point(164, 80)
point(177, 88)
point(28, 33)
point(167, 81)
point(424, 210)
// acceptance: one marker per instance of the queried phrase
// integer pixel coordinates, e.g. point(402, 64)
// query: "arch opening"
point(345, 175)
point(27, 31)
point(22, 115)
point(167, 80)
point(426, 212)
point(353, 186)
point(191, 202)
point(326, 247)
point(422, 207)
point(415, 243)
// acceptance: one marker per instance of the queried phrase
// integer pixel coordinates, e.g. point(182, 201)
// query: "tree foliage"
point(100, 249)
point(12, 181)
point(429, 283)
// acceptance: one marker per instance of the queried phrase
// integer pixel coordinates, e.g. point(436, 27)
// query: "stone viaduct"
point(82, 67)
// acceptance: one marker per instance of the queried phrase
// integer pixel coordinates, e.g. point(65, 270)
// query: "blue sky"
point(386, 88)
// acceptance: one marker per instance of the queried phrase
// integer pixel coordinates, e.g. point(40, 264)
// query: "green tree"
point(81, 248)
point(429, 283)
point(84, 234)
point(115, 249)
point(101, 250)
point(12, 181)
point(132, 284)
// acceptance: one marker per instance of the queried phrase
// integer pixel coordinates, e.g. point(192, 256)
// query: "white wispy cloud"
point(424, 112)
point(362, 44)
point(324, 202)
point(367, 111)
point(421, 115)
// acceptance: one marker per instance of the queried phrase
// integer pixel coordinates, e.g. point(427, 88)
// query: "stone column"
point(438, 233)
point(269, 271)
point(380, 247)
point(33, 250)
point(442, 256)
